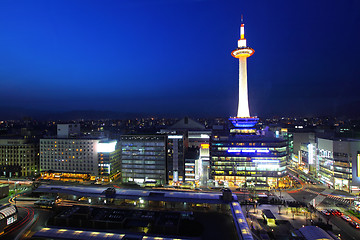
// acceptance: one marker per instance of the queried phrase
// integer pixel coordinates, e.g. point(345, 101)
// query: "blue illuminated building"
point(245, 159)
point(245, 156)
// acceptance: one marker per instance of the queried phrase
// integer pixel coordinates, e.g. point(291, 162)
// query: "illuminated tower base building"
point(246, 156)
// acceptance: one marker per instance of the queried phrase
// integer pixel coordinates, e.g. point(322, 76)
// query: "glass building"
point(248, 160)
point(143, 159)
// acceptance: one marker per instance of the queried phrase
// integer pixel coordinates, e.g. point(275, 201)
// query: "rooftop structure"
point(141, 207)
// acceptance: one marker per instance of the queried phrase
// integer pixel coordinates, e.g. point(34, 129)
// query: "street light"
point(15, 192)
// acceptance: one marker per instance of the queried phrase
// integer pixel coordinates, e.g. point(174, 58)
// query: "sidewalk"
point(284, 196)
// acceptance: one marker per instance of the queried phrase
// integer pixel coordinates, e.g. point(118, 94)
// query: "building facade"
point(175, 161)
point(143, 159)
point(248, 160)
point(69, 159)
point(109, 164)
point(18, 158)
point(339, 163)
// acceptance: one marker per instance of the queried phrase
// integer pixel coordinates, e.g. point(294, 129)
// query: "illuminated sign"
point(325, 153)
point(205, 146)
point(311, 153)
point(269, 166)
point(10, 220)
point(265, 161)
point(175, 137)
point(248, 150)
point(107, 147)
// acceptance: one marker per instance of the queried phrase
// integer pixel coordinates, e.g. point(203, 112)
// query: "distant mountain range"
point(7, 113)
point(350, 110)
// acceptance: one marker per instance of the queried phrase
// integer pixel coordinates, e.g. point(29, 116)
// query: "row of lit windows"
point(65, 142)
point(16, 147)
point(142, 171)
point(244, 159)
point(142, 175)
point(131, 166)
point(143, 161)
point(66, 168)
point(64, 164)
point(58, 153)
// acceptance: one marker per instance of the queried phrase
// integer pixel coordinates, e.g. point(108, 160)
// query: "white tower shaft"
point(243, 107)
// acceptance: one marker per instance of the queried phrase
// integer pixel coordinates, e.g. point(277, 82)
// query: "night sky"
point(166, 57)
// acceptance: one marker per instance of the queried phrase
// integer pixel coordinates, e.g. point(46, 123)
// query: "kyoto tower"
point(242, 52)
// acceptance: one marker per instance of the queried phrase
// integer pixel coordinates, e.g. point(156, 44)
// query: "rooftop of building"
point(246, 138)
point(312, 232)
point(187, 124)
point(177, 221)
point(152, 195)
point(340, 139)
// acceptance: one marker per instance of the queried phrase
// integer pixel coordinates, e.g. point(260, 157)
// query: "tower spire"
point(242, 29)
point(242, 53)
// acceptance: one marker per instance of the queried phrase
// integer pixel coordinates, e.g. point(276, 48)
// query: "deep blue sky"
point(173, 56)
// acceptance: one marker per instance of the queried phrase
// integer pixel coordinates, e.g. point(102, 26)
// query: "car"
point(332, 211)
point(338, 212)
point(325, 212)
point(354, 224)
point(346, 218)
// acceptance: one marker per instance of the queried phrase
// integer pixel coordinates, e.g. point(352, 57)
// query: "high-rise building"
point(190, 134)
point(72, 157)
point(175, 161)
point(143, 159)
point(109, 164)
point(69, 159)
point(18, 157)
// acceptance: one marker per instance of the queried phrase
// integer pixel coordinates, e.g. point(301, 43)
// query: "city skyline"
point(173, 58)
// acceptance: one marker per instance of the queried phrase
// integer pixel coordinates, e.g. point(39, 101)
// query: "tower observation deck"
point(242, 52)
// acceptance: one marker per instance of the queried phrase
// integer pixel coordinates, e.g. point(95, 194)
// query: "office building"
point(143, 159)
point(109, 164)
point(18, 158)
point(175, 161)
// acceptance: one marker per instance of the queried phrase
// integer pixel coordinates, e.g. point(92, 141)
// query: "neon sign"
point(248, 150)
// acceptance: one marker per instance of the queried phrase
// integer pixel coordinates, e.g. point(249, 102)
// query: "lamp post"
point(15, 192)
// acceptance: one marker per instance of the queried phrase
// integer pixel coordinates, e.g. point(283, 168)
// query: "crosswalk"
point(327, 194)
point(340, 199)
point(311, 191)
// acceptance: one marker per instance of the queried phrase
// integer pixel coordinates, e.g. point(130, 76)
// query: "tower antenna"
point(242, 18)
